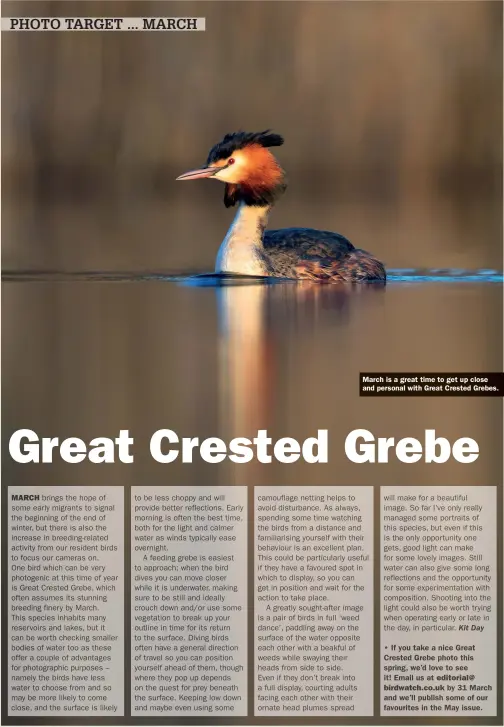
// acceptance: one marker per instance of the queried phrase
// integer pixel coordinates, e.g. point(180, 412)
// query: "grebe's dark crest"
point(254, 180)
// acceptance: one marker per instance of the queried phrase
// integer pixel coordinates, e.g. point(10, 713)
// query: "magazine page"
point(252, 337)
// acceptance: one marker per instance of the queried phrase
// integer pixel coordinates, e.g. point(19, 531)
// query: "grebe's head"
point(244, 163)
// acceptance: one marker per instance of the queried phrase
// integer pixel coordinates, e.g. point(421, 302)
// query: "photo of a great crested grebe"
point(356, 225)
point(254, 180)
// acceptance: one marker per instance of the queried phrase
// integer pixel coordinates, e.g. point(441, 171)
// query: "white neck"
point(240, 251)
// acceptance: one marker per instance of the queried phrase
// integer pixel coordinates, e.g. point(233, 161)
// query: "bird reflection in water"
point(258, 326)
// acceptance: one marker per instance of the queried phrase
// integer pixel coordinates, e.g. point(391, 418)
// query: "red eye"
point(231, 161)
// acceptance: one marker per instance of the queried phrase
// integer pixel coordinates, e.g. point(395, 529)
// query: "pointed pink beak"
point(202, 173)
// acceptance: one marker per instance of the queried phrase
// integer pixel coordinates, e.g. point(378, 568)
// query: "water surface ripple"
point(397, 275)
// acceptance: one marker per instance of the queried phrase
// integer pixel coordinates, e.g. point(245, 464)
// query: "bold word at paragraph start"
point(166, 446)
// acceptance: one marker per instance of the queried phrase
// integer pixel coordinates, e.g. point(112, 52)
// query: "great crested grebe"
point(254, 180)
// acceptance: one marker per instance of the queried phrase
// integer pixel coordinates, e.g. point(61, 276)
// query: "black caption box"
point(431, 384)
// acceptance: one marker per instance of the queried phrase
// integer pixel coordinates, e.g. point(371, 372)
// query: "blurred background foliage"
point(391, 111)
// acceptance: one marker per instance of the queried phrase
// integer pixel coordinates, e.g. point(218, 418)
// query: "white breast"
point(240, 250)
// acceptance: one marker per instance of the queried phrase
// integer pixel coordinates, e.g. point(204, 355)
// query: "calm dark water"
point(120, 343)
point(86, 355)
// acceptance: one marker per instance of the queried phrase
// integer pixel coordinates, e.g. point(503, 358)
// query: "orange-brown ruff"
point(254, 180)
